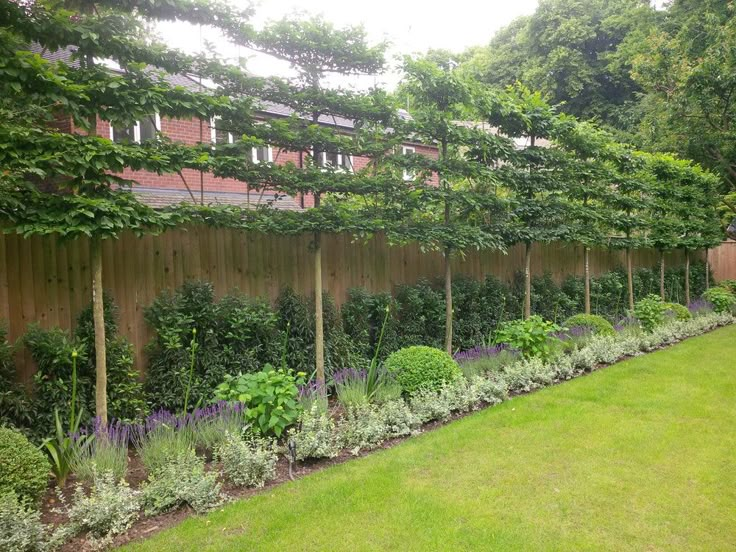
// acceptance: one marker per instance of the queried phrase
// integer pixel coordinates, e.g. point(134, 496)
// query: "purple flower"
point(482, 352)
point(701, 306)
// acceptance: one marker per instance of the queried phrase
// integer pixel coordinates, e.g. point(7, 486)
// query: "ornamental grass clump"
point(161, 437)
point(211, 424)
point(421, 367)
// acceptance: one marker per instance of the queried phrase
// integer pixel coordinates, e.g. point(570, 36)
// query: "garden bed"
point(523, 383)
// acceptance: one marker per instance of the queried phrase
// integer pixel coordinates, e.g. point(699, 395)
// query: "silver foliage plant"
point(109, 509)
point(249, 461)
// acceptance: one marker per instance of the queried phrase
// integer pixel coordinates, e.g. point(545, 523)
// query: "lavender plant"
point(211, 424)
point(484, 360)
point(106, 452)
point(161, 437)
point(351, 387)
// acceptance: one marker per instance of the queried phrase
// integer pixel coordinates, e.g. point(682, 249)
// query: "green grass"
point(639, 456)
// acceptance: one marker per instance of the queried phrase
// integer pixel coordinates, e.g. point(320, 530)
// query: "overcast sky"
point(409, 25)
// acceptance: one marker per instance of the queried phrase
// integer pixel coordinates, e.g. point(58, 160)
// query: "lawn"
point(638, 456)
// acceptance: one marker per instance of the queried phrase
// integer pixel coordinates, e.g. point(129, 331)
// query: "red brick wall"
point(188, 131)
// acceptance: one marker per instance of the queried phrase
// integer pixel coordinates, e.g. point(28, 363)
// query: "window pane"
point(125, 134)
point(331, 159)
point(260, 154)
point(222, 136)
point(148, 128)
point(346, 163)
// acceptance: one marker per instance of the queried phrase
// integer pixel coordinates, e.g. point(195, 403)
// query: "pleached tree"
point(533, 176)
point(588, 176)
point(449, 209)
point(628, 202)
point(69, 184)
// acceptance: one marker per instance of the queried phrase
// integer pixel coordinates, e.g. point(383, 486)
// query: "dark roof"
point(163, 197)
point(192, 83)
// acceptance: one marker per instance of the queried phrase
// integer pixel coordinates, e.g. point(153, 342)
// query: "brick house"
point(193, 186)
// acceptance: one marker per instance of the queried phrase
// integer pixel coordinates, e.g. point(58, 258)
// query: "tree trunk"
point(448, 302)
point(586, 265)
point(630, 278)
point(661, 275)
point(528, 280)
point(319, 332)
point(707, 270)
point(687, 277)
point(98, 314)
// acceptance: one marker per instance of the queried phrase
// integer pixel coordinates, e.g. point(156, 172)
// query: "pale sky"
point(409, 25)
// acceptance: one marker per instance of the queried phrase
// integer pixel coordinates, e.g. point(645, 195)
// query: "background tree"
point(687, 70)
point(576, 51)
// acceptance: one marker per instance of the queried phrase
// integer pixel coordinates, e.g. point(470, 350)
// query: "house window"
point(408, 150)
point(141, 131)
point(219, 135)
point(334, 160)
point(262, 154)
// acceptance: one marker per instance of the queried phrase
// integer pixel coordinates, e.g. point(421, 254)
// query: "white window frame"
point(269, 154)
point(213, 131)
point(404, 151)
point(137, 129)
point(322, 162)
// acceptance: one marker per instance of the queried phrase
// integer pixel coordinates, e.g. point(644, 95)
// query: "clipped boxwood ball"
point(24, 469)
point(680, 311)
point(596, 324)
point(421, 367)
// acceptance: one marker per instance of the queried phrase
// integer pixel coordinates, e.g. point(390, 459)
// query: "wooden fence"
point(46, 281)
point(722, 260)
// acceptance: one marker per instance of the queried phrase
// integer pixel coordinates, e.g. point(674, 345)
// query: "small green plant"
point(596, 324)
point(721, 298)
point(678, 311)
point(270, 398)
point(421, 367)
point(63, 447)
point(24, 470)
point(650, 312)
point(531, 337)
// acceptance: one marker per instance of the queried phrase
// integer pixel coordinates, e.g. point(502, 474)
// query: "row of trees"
point(570, 180)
